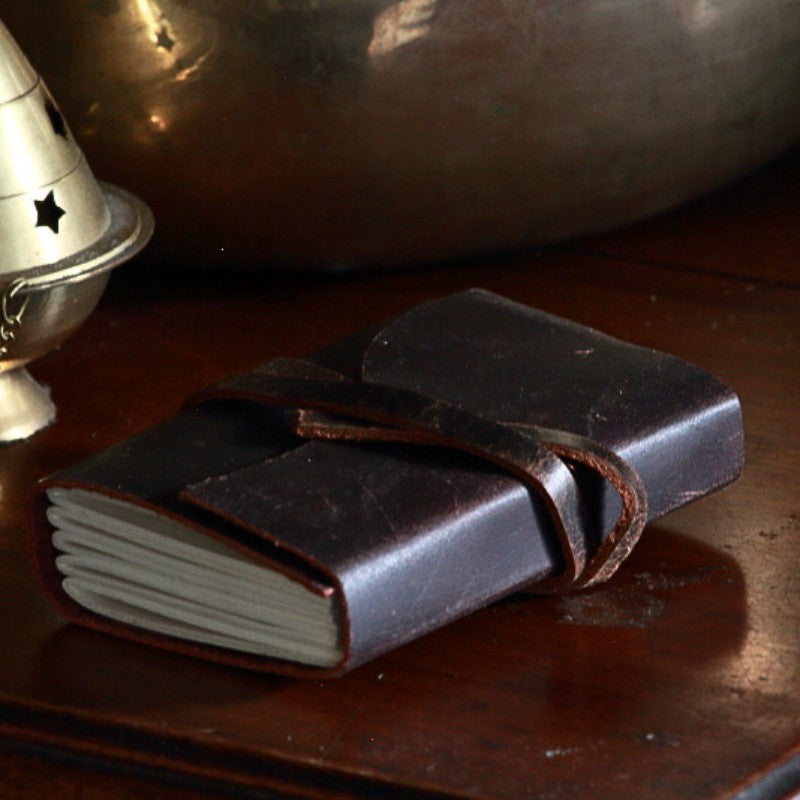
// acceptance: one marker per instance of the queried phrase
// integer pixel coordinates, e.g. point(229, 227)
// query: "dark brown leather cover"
point(513, 450)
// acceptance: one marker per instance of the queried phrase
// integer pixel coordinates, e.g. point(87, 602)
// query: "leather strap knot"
point(335, 407)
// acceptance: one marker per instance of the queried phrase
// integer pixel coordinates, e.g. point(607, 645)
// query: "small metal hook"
point(11, 321)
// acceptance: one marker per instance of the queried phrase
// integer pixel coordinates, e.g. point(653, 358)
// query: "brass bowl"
point(308, 133)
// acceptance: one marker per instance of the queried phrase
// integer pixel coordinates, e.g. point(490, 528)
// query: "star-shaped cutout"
point(48, 213)
point(56, 120)
point(164, 40)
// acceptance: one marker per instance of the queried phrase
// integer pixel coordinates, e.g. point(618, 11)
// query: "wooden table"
point(678, 679)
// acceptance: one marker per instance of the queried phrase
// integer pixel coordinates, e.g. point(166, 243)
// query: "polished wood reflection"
point(678, 679)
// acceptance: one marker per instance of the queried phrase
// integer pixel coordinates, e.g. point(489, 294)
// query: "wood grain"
point(678, 679)
point(704, 235)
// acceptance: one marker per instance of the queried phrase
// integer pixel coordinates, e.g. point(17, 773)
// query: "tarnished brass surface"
point(382, 132)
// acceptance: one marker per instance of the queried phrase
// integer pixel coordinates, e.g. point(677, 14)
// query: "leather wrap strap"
point(539, 457)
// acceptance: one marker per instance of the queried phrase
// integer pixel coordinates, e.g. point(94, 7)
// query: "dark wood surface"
point(678, 679)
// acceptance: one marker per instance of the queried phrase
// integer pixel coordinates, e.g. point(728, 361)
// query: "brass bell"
point(61, 231)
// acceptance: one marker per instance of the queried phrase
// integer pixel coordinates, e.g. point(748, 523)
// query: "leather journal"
point(313, 513)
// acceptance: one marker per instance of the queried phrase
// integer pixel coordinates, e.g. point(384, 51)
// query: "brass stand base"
point(25, 406)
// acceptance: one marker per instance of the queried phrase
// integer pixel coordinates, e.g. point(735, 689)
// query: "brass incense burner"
point(61, 231)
